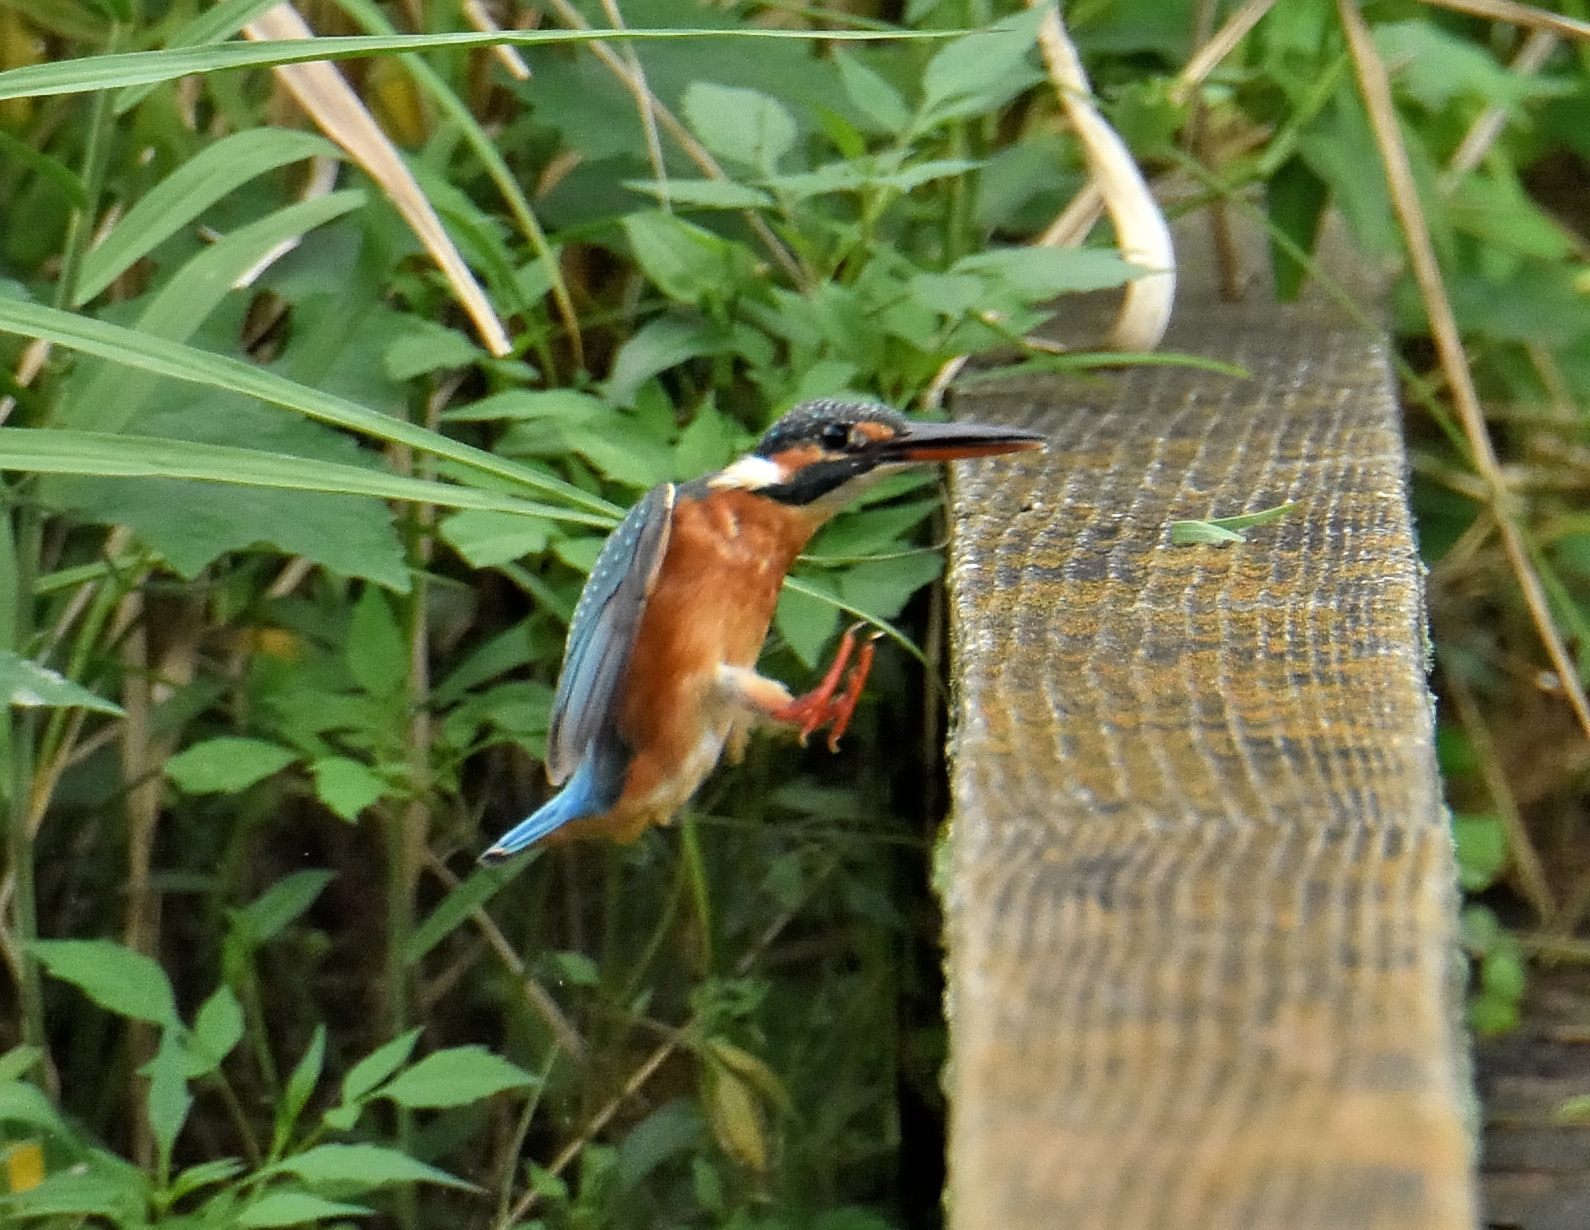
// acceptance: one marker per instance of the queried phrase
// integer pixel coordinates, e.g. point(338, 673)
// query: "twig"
point(1482, 134)
point(1526, 859)
point(1140, 227)
point(1526, 15)
point(1376, 89)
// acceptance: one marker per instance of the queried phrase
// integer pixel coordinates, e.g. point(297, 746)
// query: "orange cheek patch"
point(794, 460)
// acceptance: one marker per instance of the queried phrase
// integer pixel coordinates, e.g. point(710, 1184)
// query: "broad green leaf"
point(17, 1061)
point(50, 451)
point(354, 1169)
point(217, 1028)
point(227, 764)
point(1037, 274)
point(741, 126)
point(282, 1208)
point(112, 398)
point(428, 346)
point(703, 193)
point(377, 1066)
point(874, 97)
point(1481, 843)
point(376, 652)
point(116, 1194)
point(172, 204)
point(1436, 66)
point(919, 173)
point(137, 350)
point(455, 1077)
point(264, 918)
point(977, 71)
point(486, 539)
point(26, 684)
point(25, 1104)
point(882, 587)
point(566, 406)
point(169, 1099)
point(346, 786)
point(687, 263)
point(654, 348)
point(806, 622)
point(119, 979)
point(204, 1175)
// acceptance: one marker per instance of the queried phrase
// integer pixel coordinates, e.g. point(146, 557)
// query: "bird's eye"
point(835, 436)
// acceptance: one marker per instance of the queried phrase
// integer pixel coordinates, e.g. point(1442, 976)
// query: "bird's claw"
point(821, 707)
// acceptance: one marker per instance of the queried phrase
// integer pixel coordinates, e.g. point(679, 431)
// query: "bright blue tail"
point(583, 796)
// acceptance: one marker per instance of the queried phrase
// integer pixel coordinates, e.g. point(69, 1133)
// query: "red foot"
point(820, 707)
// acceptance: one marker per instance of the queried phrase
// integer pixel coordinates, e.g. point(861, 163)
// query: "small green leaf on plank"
point(1222, 530)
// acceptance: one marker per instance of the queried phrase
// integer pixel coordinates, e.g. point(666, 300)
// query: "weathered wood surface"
point(1199, 889)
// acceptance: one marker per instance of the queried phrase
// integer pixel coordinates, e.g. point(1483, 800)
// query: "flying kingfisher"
point(659, 672)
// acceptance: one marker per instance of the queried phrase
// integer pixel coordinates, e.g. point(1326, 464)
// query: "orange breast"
point(712, 605)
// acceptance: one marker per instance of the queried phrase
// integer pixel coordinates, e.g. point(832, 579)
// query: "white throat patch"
point(752, 473)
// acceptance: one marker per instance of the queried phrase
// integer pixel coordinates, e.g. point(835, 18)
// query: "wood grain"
point(1198, 884)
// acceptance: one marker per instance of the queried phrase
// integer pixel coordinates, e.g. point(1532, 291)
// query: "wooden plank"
point(1199, 884)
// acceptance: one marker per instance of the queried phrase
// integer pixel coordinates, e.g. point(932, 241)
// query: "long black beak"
point(955, 441)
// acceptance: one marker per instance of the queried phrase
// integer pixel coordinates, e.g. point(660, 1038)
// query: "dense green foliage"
point(288, 552)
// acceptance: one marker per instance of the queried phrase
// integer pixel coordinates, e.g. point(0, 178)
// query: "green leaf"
point(427, 346)
point(109, 72)
point(1481, 843)
point(376, 653)
point(655, 347)
point(204, 1175)
point(685, 262)
point(455, 1077)
point(358, 1168)
point(282, 1208)
point(200, 181)
point(145, 353)
point(110, 397)
point(1294, 199)
point(217, 1028)
point(458, 905)
point(346, 786)
point(300, 1087)
point(882, 587)
point(742, 126)
point(1039, 274)
point(806, 623)
point(977, 71)
point(1221, 530)
point(169, 1099)
point(375, 1067)
point(25, 1104)
point(17, 1061)
point(486, 539)
point(874, 97)
point(570, 968)
point(263, 918)
point(126, 982)
point(1193, 533)
point(703, 193)
point(49, 451)
point(26, 684)
point(227, 764)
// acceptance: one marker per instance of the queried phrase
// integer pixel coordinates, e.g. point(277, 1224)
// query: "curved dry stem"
point(1140, 227)
point(1526, 15)
point(1375, 86)
point(324, 93)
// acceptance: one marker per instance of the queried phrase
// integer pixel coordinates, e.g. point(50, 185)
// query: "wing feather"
point(602, 632)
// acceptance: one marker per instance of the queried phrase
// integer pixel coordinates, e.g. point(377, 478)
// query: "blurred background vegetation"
point(310, 434)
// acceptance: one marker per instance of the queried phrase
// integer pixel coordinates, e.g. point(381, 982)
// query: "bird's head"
point(822, 454)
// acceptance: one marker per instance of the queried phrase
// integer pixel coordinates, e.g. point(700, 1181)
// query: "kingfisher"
point(659, 671)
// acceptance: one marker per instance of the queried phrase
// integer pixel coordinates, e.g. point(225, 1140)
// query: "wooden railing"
point(1200, 894)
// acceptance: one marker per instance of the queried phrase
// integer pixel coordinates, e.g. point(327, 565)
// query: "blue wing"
point(602, 632)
